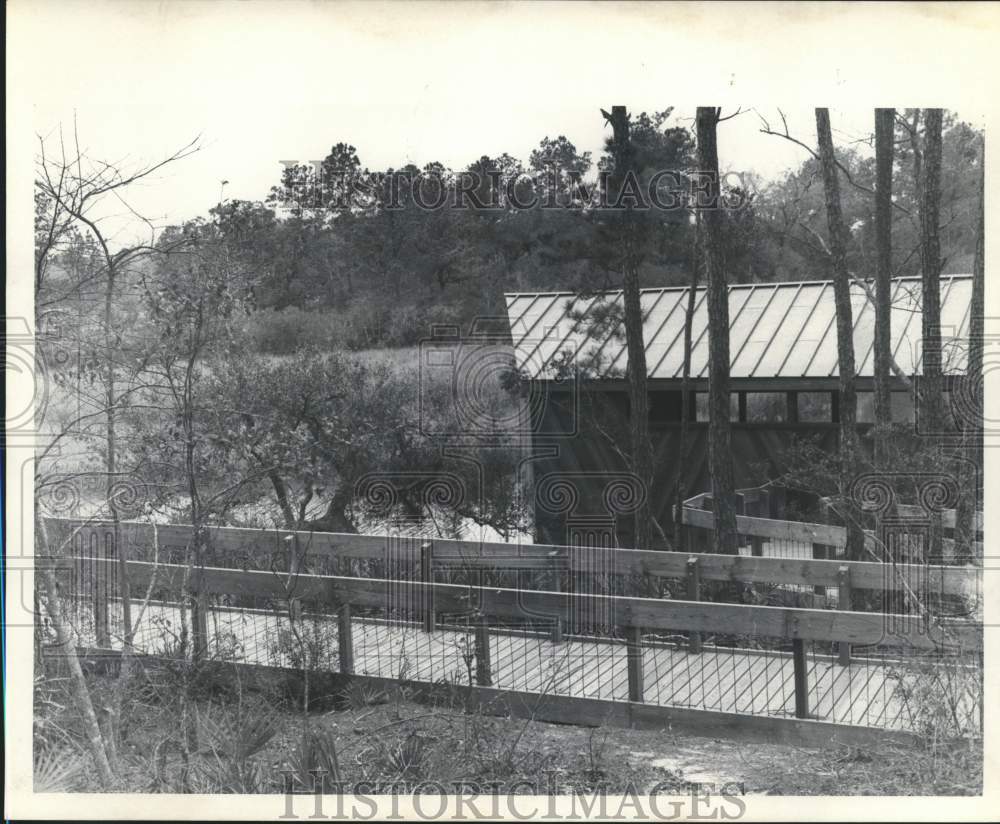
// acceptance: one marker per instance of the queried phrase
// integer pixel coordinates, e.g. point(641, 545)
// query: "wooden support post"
point(740, 508)
point(779, 502)
point(703, 542)
point(844, 602)
point(199, 626)
point(742, 400)
point(557, 631)
point(633, 648)
point(801, 666)
point(101, 582)
point(792, 407)
point(819, 552)
point(822, 551)
point(762, 510)
point(484, 671)
point(693, 594)
point(294, 567)
point(427, 576)
point(763, 503)
point(345, 643)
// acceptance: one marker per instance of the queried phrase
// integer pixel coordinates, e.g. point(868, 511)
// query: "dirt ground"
point(379, 740)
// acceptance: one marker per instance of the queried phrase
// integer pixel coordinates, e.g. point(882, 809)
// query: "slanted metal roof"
point(776, 330)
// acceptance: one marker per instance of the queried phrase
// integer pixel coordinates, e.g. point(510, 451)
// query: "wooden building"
point(783, 377)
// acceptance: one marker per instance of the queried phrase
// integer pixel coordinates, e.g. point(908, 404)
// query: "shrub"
point(284, 331)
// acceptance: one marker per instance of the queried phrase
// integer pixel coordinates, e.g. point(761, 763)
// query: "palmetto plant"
point(57, 771)
point(232, 741)
point(316, 753)
point(407, 758)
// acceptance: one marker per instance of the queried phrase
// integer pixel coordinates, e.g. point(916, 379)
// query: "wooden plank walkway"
point(866, 693)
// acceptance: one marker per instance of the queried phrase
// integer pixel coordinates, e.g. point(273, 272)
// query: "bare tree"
point(71, 188)
point(884, 146)
point(71, 193)
point(929, 396)
point(845, 331)
point(641, 450)
point(713, 256)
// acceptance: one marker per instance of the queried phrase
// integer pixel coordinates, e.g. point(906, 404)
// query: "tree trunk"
point(66, 647)
point(884, 136)
point(971, 419)
point(845, 335)
point(680, 486)
point(335, 518)
point(719, 435)
point(930, 406)
point(641, 450)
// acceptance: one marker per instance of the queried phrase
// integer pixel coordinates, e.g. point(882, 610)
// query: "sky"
point(245, 146)
point(259, 83)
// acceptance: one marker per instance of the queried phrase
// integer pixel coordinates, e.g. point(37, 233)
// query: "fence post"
point(484, 672)
point(740, 508)
point(345, 644)
point(764, 503)
point(763, 510)
point(427, 577)
point(633, 647)
point(821, 551)
point(844, 602)
point(704, 542)
point(294, 564)
point(693, 594)
point(102, 584)
point(778, 502)
point(199, 624)
point(801, 666)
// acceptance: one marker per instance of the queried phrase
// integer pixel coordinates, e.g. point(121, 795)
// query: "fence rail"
point(863, 628)
point(769, 662)
point(862, 575)
point(697, 514)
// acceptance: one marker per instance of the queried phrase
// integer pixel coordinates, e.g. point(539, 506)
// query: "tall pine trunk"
point(972, 418)
point(641, 449)
point(884, 137)
point(713, 255)
point(845, 335)
point(930, 408)
point(680, 484)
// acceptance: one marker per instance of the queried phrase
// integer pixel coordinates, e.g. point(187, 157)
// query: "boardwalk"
point(868, 692)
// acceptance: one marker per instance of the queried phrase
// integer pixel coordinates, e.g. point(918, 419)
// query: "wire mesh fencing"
point(579, 653)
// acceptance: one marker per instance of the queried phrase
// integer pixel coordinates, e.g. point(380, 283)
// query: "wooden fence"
point(756, 524)
point(86, 544)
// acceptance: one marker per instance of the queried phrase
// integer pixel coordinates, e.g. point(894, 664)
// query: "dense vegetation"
point(344, 255)
point(224, 371)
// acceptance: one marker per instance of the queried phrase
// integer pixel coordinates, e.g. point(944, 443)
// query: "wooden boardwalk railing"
point(488, 608)
point(868, 575)
point(625, 611)
point(753, 504)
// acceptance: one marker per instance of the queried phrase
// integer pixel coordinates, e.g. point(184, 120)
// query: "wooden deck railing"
point(633, 615)
point(944, 579)
point(752, 504)
point(87, 544)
